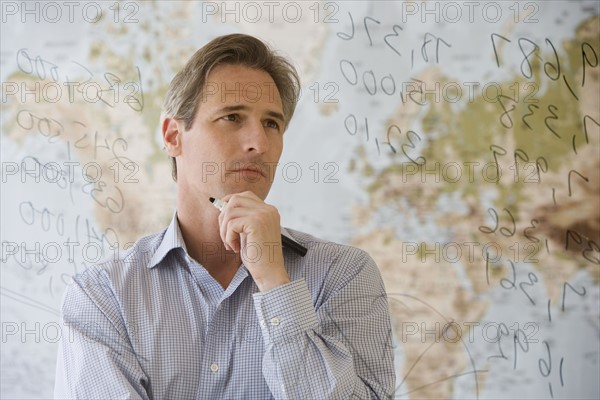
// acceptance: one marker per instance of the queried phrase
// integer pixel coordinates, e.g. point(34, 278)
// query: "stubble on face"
point(233, 136)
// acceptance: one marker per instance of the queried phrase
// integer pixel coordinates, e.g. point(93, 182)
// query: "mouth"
point(249, 171)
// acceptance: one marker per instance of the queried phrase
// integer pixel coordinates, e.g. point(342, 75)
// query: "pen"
point(285, 241)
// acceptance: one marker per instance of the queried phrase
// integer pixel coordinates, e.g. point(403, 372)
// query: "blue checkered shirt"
point(154, 324)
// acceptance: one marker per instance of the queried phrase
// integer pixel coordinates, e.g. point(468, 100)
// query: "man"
point(214, 307)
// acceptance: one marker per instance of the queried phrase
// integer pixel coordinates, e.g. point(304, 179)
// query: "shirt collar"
point(172, 239)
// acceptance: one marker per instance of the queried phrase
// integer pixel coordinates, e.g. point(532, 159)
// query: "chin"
point(259, 190)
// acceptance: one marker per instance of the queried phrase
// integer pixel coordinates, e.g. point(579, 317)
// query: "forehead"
point(237, 84)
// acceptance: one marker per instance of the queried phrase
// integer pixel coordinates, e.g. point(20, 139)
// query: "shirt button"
point(275, 321)
point(214, 367)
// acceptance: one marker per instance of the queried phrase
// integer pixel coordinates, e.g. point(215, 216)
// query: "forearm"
point(312, 354)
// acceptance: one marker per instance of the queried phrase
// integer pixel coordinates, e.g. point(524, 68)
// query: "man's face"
point(236, 139)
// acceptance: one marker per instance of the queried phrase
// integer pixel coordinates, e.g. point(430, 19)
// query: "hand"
point(251, 227)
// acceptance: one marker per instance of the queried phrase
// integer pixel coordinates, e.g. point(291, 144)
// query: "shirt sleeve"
point(95, 357)
point(340, 349)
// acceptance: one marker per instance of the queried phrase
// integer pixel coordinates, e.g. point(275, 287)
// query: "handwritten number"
point(567, 284)
point(529, 73)
point(123, 160)
point(569, 179)
point(346, 36)
point(420, 160)
point(354, 124)
point(426, 41)
point(396, 33)
point(505, 231)
point(495, 151)
point(502, 331)
point(506, 114)
point(510, 283)
point(494, 215)
point(494, 45)
point(529, 237)
point(556, 67)
point(592, 247)
point(541, 167)
point(545, 366)
point(532, 280)
point(586, 61)
point(367, 28)
point(518, 153)
point(529, 114)
point(389, 140)
point(586, 118)
point(552, 108)
point(523, 345)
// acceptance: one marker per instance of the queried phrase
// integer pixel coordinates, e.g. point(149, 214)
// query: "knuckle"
point(234, 200)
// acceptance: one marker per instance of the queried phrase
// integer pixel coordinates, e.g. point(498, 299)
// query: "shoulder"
point(334, 262)
point(325, 249)
point(109, 277)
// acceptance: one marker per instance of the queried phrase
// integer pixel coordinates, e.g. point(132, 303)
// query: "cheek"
point(200, 149)
point(277, 148)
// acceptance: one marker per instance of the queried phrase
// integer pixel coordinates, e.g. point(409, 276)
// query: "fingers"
point(243, 198)
point(230, 226)
point(247, 217)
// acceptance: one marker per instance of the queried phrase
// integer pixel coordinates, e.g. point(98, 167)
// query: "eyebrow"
point(242, 107)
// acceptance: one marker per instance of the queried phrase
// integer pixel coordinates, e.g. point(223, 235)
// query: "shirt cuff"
point(285, 312)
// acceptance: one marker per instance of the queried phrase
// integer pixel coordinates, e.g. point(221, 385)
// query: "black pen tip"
point(212, 199)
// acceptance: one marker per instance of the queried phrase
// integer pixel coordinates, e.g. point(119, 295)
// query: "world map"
point(457, 143)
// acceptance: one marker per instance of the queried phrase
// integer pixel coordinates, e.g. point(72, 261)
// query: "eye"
point(231, 117)
point(271, 123)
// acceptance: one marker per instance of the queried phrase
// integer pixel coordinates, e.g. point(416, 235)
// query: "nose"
point(255, 138)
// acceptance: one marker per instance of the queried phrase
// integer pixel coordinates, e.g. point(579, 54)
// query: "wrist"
point(271, 282)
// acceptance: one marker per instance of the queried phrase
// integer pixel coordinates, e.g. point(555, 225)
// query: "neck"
point(198, 221)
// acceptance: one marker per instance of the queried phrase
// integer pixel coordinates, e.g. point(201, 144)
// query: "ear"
point(172, 130)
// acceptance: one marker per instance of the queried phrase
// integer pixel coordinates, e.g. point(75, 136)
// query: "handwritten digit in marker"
point(560, 369)
point(569, 87)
